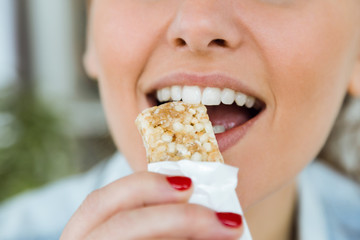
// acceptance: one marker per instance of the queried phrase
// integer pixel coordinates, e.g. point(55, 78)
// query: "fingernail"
point(179, 183)
point(229, 219)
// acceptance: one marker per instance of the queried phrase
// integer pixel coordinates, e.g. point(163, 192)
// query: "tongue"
point(228, 116)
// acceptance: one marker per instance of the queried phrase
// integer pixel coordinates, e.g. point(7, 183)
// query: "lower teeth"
point(219, 129)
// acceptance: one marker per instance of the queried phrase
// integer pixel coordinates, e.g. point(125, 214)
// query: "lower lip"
point(230, 137)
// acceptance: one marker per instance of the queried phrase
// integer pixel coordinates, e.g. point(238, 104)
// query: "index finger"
point(134, 191)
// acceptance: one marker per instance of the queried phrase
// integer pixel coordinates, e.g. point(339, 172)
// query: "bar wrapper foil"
point(214, 185)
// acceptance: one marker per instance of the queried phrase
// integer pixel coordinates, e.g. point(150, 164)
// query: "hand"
point(148, 206)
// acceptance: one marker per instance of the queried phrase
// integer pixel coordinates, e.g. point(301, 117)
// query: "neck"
point(273, 218)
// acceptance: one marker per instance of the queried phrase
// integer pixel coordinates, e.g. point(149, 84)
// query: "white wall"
point(52, 49)
point(56, 66)
point(7, 43)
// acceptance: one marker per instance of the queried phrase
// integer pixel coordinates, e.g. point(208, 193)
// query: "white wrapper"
point(214, 185)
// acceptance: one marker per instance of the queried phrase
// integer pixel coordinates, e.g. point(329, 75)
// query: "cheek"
point(121, 53)
point(131, 28)
point(122, 56)
point(309, 76)
point(308, 73)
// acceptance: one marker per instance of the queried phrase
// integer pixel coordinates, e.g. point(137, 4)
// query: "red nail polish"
point(229, 219)
point(179, 183)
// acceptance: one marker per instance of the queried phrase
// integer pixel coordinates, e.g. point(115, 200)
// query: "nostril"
point(218, 42)
point(179, 42)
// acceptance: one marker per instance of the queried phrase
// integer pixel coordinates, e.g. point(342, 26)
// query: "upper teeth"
point(210, 96)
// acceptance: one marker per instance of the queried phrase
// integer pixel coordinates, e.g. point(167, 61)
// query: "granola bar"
point(175, 131)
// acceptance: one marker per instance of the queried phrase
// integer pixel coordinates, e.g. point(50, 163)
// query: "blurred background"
point(51, 121)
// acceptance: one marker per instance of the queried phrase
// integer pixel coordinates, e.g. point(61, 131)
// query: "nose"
point(204, 25)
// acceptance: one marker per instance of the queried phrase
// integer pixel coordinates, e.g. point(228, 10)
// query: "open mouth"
point(227, 108)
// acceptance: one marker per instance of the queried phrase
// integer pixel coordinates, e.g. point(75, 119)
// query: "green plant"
point(35, 147)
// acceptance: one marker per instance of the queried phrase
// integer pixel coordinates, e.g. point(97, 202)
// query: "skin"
point(301, 57)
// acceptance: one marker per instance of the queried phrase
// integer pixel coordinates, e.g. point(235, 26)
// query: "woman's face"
point(296, 57)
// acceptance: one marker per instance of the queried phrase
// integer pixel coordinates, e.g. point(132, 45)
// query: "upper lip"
point(217, 80)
